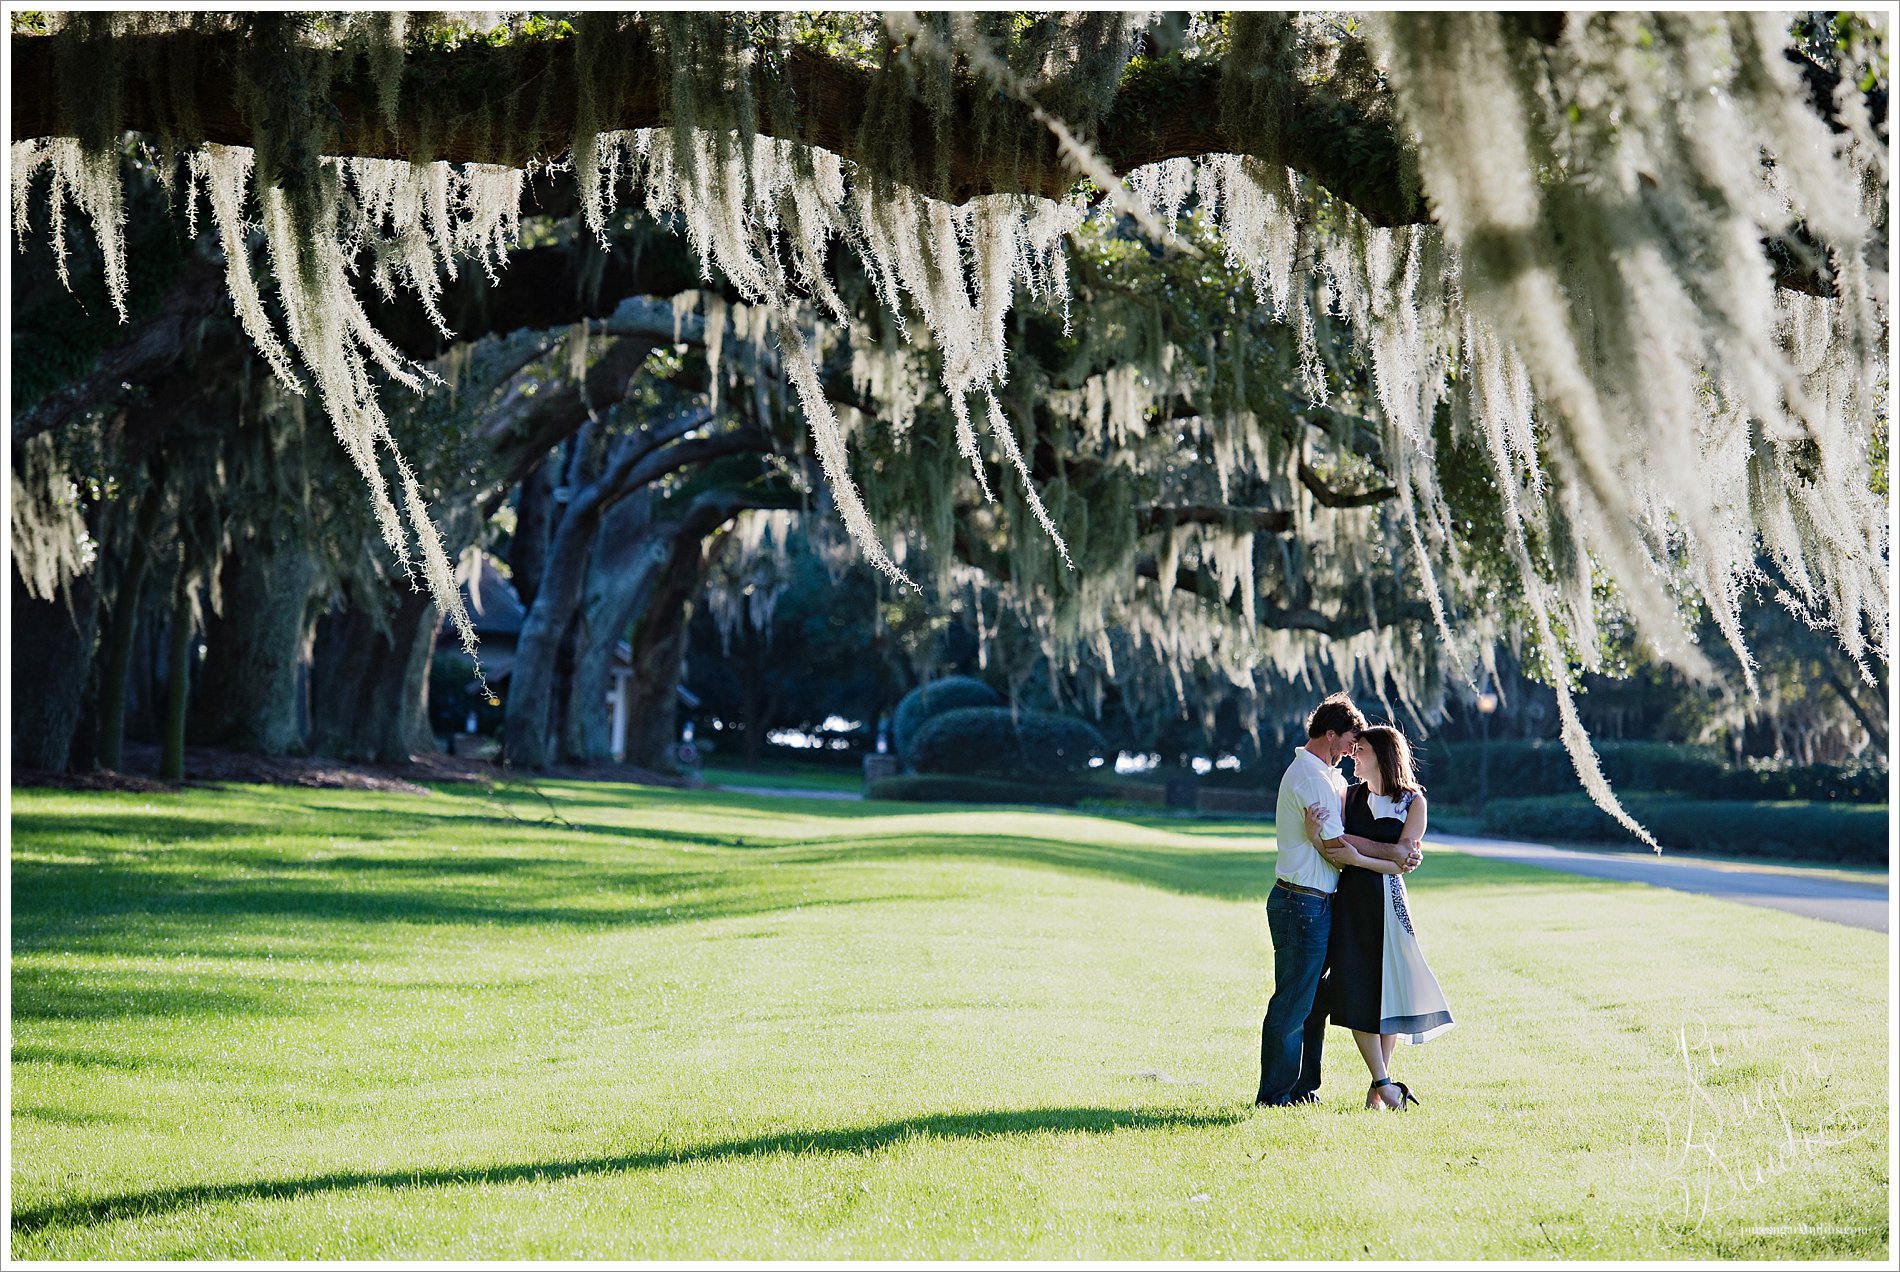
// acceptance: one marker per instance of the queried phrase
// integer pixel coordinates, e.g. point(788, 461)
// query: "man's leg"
point(1313, 1039)
point(1300, 925)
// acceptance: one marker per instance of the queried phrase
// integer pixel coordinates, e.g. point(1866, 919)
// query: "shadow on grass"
point(124, 906)
point(946, 1126)
point(41, 993)
point(190, 869)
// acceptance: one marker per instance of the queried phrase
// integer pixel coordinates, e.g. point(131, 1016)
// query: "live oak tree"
point(1632, 266)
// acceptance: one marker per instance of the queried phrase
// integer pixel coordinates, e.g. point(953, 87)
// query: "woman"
point(1381, 988)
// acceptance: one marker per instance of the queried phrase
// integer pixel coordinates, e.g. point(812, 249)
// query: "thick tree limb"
point(1327, 497)
point(1306, 619)
point(149, 348)
point(1876, 730)
point(540, 288)
point(1260, 520)
point(1165, 109)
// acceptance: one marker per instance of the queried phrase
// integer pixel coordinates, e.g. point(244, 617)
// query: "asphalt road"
point(1817, 894)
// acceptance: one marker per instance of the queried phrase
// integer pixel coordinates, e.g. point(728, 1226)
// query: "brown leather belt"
point(1296, 887)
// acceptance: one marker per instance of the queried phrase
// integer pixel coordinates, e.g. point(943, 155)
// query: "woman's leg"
point(1372, 1051)
point(1387, 1043)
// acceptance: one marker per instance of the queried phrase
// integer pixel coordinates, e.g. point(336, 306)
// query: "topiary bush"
point(926, 702)
point(997, 742)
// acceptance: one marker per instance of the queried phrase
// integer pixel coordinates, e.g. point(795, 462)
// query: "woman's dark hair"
point(1394, 755)
point(1335, 715)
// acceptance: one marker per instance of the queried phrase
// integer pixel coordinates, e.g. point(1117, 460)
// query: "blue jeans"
point(1295, 1028)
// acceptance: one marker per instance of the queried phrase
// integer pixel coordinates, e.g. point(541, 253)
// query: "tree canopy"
point(1506, 321)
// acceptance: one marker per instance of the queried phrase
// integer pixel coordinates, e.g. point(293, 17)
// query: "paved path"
point(1818, 894)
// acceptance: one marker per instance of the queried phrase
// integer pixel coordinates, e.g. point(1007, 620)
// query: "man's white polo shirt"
point(1309, 780)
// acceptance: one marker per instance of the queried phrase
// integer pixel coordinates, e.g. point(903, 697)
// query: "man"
point(1300, 907)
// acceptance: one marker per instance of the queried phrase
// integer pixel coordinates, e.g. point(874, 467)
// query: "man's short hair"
point(1335, 715)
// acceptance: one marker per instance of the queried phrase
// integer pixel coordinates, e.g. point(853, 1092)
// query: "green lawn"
point(258, 1023)
point(788, 774)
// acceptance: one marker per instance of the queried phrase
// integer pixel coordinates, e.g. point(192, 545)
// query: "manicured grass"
point(789, 774)
point(259, 1023)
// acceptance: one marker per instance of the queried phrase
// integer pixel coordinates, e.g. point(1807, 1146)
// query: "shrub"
point(938, 788)
point(996, 742)
point(926, 702)
point(1853, 834)
point(1518, 769)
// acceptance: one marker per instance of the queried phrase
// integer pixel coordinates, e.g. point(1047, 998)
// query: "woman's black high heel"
point(1405, 1095)
point(1373, 1099)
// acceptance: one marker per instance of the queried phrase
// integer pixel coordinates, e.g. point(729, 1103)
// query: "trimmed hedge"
point(926, 702)
point(997, 742)
point(1450, 772)
point(1838, 832)
point(943, 788)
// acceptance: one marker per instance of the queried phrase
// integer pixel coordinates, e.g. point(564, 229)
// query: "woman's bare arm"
point(1414, 831)
point(1341, 853)
point(1399, 854)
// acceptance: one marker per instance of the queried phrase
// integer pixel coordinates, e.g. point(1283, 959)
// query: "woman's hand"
point(1313, 834)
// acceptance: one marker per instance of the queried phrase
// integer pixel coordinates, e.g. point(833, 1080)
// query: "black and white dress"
point(1380, 983)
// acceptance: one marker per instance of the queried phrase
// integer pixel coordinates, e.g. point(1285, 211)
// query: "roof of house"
point(492, 605)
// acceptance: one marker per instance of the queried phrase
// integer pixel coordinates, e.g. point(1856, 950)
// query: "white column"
point(619, 699)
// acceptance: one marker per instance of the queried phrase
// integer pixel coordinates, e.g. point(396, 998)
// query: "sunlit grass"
point(645, 1023)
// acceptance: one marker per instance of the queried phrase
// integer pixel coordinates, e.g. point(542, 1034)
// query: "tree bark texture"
point(52, 645)
point(1166, 108)
point(171, 762)
point(627, 552)
point(369, 676)
point(122, 626)
point(247, 691)
point(536, 516)
point(530, 735)
point(659, 651)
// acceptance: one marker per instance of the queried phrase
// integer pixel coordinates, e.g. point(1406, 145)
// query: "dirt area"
point(208, 766)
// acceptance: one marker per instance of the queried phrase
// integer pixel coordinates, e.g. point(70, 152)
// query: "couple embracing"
point(1343, 944)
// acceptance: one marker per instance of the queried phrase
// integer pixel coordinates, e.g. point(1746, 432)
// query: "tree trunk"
point(528, 736)
point(653, 690)
point(52, 644)
point(369, 677)
point(171, 764)
point(757, 711)
point(247, 696)
point(536, 518)
point(627, 555)
point(659, 648)
point(121, 627)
